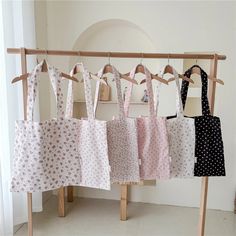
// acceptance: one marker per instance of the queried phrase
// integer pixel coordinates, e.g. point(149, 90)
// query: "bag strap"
point(33, 81)
point(87, 92)
point(179, 105)
point(149, 92)
point(118, 91)
point(204, 98)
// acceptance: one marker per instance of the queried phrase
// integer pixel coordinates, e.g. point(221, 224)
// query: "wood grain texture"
point(61, 202)
point(116, 54)
point(70, 194)
point(123, 201)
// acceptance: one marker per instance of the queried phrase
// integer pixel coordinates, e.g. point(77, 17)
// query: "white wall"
point(171, 27)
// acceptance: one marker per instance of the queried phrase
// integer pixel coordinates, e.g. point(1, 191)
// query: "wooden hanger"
point(77, 70)
point(169, 70)
point(140, 69)
point(44, 69)
point(108, 69)
point(197, 70)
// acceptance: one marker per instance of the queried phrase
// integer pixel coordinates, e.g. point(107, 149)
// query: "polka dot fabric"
point(45, 153)
point(153, 144)
point(209, 149)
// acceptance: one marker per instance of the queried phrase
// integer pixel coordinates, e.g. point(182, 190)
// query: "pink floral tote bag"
point(45, 153)
point(181, 135)
point(153, 144)
point(122, 140)
point(92, 141)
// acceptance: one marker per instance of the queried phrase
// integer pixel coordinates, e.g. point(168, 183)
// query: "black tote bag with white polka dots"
point(209, 149)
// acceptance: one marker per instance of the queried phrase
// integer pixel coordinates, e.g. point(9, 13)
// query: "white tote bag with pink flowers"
point(92, 140)
point(153, 143)
point(122, 140)
point(45, 153)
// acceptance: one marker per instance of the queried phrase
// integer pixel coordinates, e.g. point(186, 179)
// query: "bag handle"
point(118, 91)
point(33, 81)
point(87, 92)
point(204, 98)
point(149, 92)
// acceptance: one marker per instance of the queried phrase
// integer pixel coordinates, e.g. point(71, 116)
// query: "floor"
point(94, 217)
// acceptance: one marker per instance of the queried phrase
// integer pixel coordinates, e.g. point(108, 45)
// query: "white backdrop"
point(170, 27)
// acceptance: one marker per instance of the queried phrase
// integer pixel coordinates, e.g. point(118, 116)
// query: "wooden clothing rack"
point(23, 52)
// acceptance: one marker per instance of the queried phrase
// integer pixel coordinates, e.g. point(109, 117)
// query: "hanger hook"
point(109, 58)
point(168, 59)
point(78, 53)
point(196, 59)
point(141, 58)
point(46, 54)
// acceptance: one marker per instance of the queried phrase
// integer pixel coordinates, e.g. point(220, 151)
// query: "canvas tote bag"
point(209, 148)
point(92, 140)
point(153, 144)
point(45, 153)
point(122, 140)
point(181, 136)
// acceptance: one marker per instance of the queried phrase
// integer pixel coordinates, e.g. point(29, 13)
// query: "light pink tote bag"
point(122, 140)
point(152, 137)
point(181, 134)
point(46, 153)
point(92, 141)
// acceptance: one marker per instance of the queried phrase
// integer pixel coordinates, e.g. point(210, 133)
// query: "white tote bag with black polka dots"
point(122, 139)
point(181, 135)
point(45, 153)
point(92, 140)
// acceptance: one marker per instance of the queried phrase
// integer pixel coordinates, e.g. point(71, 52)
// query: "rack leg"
point(70, 194)
point(123, 202)
point(203, 206)
point(61, 202)
point(30, 214)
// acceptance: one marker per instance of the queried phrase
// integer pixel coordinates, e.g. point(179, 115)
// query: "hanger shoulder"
point(183, 78)
point(69, 77)
point(21, 77)
point(197, 70)
point(125, 77)
point(216, 80)
point(95, 77)
point(186, 78)
point(156, 77)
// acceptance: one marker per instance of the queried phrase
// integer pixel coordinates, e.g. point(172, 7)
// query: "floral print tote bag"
point(92, 140)
point(181, 135)
point(122, 140)
point(45, 153)
point(153, 146)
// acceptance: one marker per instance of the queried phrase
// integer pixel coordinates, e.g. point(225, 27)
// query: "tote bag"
point(181, 136)
point(122, 140)
point(209, 149)
point(92, 140)
point(153, 147)
point(45, 153)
